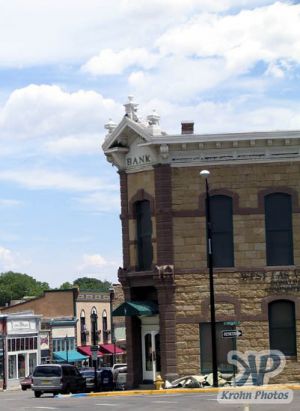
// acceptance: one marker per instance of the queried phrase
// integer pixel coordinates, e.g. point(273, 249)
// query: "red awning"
point(86, 350)
point(110, 349)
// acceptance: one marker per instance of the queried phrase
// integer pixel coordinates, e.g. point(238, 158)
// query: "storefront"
point(253, 191)
point(22, 346)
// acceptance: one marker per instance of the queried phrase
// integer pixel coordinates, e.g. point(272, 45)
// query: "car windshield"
point(47, 371)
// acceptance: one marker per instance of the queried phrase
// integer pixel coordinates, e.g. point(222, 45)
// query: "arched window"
point(94, 326)
point(282, 327)
point(143, 235)
point(222, 230)
point(104, 327)
point(82, 328)
point(279, 229)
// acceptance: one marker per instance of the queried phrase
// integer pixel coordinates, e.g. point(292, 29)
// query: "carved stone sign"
point(284, 281)
point(276, 281)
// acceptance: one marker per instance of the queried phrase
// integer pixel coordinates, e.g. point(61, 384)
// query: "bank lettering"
point(139, 160)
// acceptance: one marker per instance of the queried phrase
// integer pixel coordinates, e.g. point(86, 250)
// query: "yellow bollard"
point(158, 383)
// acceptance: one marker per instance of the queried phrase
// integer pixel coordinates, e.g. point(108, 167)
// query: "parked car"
point(115, 368)
point(89, 375)
point(57, 378)
point(26, 382)
point(121, 378)
point(106, 379)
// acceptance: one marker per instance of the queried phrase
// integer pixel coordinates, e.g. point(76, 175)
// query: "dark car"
point(57, 378)
point(26, 382)
point(89, 375)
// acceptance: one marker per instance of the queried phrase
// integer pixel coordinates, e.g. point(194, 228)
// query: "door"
point(150, 348)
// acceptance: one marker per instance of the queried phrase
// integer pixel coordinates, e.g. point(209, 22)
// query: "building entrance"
point(150, 348)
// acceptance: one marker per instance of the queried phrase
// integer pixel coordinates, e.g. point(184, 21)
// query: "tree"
point(14, 286)
point(66, 286)
point(92, 284)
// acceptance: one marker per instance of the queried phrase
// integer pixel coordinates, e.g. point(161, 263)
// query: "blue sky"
point(66, 67)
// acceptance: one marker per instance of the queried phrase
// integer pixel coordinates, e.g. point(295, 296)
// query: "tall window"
point(224, 345)
point(94, 326)
point(222, 230)
point(82, 328)
point(104, 327)
point(144, 235)
point(282, 328)
point(279, 231)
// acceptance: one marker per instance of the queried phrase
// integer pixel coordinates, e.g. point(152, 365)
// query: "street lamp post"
point(94, 318)
point(205, 174)
point(112, 328)
point(67, 348)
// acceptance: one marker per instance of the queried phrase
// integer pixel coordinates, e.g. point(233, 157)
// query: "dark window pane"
point(224, 345)
point(222, 231)
point(144, 235)
point(279, 233)
point(282, 327)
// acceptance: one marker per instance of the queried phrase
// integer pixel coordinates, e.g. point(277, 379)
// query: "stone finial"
point(153, 123)
point(153, 119)
point(110, 126)
point(131, 109)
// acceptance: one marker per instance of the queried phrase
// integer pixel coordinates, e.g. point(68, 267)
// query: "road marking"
point(43, 408)
point(164, 402)
point(108, 404)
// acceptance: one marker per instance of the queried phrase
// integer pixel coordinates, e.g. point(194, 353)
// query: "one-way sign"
point(231, 333)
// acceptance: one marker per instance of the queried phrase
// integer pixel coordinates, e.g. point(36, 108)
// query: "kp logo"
point(256, 367)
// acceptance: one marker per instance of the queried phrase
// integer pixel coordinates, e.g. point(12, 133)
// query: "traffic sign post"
point(231, 333)
point(232, 323)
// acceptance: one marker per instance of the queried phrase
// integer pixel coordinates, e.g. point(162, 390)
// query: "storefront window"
point(12, 367)
point(21, 365)
point(148, 353)
point(32, 362)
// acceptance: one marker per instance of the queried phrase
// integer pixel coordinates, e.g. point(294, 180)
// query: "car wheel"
point(37, 394)
point(67, 390)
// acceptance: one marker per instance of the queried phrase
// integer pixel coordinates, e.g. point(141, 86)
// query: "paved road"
point(25, 401)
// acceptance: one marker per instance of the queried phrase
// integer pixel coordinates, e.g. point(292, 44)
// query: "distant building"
point(20, 347)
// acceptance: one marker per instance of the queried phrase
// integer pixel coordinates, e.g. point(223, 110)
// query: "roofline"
point(206, 138)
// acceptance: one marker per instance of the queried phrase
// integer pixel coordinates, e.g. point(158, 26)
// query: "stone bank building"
point(254, 187)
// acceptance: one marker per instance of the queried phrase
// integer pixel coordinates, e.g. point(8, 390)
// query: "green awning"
point(71, 356)
point(132, 308)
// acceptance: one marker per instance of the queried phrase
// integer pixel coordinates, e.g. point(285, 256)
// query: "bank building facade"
point(253, 187)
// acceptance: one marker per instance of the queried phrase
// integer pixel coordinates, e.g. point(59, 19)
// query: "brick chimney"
point(187, 127)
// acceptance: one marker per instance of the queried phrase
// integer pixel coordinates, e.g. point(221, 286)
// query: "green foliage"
point(92, 284)
point(14, 286)
point(66, 286)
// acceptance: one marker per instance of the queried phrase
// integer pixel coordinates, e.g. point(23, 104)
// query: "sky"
point(67, 66)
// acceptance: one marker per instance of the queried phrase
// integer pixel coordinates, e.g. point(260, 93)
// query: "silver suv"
point(57, 378)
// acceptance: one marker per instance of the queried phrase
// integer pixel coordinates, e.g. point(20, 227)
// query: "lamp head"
point(204, 173)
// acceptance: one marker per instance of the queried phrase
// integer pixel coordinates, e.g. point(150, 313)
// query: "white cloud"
point(69, 145)
point(45, 110)
point(38, 178)
point(50, 32)
point(95, 263)
point(110, 62)
point(101, 201)
point(267, 33)
point(6, 202)
point(10, 260)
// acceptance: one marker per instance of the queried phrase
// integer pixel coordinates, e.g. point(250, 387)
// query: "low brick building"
point(255, 213)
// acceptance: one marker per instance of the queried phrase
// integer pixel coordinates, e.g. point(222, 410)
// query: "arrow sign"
point(231, 333)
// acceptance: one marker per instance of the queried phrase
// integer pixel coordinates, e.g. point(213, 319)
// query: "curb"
point(181, 391)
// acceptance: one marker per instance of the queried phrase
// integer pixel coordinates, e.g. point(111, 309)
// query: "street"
point(21, 401)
